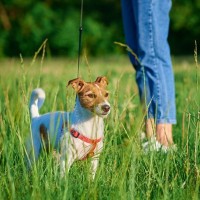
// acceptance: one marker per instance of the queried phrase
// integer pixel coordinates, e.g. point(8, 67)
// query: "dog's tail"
point(37, 99)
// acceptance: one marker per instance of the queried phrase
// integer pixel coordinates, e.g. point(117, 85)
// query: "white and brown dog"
point(78, 134)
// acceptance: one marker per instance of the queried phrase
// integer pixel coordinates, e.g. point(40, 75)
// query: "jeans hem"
point(163, 121)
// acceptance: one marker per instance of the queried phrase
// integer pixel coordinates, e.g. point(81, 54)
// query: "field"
point(125, 171)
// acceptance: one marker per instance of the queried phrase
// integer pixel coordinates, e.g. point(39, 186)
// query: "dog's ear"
point(77, 83)
point(102, 80)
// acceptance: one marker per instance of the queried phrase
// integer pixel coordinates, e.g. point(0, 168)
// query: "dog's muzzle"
point(102, 109)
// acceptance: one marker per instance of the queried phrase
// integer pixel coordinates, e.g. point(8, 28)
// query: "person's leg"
point(129, 10)
point(150, 127)
point(150, 24)
point(164, 134)
point(130, 20)
point(154, 55)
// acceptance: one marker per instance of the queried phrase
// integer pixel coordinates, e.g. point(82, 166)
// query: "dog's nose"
point(105, 108)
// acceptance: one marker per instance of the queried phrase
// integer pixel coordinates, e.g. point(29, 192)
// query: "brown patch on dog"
point(102, 80)
point(91, 93)
point(77, 84)
point(65, 125)
point(44, 137)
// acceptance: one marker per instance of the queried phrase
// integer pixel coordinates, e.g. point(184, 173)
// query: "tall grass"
point(125, 171)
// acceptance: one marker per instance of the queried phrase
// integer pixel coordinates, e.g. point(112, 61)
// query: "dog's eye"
point(106, 94)
point(92, 95)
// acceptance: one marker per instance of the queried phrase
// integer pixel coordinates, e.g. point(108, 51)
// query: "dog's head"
point(93, 95)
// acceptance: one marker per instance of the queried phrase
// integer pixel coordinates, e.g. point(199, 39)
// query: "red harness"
point(93, 142)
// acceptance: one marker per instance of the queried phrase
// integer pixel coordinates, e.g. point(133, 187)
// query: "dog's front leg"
point(94, 165)
point(66, 158)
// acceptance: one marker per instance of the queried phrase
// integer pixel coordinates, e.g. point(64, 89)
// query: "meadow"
point(125, 170)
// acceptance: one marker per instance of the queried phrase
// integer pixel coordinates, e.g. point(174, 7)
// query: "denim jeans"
point(146, 26)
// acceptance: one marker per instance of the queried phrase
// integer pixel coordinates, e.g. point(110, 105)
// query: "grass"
point(125, 172)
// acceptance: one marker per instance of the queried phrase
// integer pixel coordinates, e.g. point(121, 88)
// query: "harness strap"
point(93, 142)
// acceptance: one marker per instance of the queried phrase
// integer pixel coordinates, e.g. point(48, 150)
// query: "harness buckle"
point(74, 133)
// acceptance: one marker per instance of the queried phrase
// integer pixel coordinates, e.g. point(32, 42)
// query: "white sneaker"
point(153, 145)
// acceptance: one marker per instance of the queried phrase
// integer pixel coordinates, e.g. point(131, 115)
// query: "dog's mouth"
point(105, 114)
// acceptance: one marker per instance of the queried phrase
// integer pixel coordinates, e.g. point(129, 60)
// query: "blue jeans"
point(146, 26)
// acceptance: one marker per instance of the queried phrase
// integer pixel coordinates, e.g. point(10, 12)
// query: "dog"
point(76, 135)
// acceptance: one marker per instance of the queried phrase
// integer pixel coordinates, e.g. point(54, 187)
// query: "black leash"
point(80, 37)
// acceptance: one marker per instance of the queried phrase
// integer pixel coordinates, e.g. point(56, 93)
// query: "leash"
point(80, 37)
